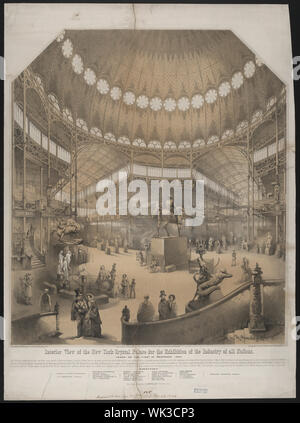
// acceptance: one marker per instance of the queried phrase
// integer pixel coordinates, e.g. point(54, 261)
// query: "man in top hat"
point(163, 309)
point(146, 310)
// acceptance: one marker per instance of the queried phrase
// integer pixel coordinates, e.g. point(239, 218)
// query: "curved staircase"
point(36, 263)
point(37, 260)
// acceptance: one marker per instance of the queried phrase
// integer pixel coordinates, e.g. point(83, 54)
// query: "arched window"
point(154, 144)
point(139, 142)
point(38, 81)
point(257, 116)
point(110, 137)
point(184, 144)
point(123, 140)
point(227, 134)
point(198, 143)
point(80, 123)
point(241, 126)
point(54, 101)
point(170, 145)
point(213, 139)
point(67, 114)
point(96, 131)
point(271, 101)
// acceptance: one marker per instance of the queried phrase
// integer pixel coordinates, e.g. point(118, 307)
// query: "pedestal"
point(256, 323)
point(173, 250)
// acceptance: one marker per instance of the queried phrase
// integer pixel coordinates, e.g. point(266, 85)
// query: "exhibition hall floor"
point(180, 283)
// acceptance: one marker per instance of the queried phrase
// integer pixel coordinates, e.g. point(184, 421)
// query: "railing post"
point(56, 310)
point(256, 323)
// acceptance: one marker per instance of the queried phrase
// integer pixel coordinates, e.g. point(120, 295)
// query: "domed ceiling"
point(156, 89)
point(179, 92)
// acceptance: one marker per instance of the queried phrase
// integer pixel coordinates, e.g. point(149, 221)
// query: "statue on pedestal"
point(164, 220)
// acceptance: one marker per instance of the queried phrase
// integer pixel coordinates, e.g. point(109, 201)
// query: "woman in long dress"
point(92, 324)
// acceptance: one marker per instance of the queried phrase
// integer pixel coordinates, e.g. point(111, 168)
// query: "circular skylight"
point(237, 80)
point(77, 64)
point(156, 103)
point(211, 96)
point(38, 80)
point(129, 98)
point(224, 89)
point(249, 69)
point(197, 101)
point(103, 86)
point(89, 76)
point(67, 48)
point(169, 104)
point(142, 101)
point(183, 104)
point(116, 93)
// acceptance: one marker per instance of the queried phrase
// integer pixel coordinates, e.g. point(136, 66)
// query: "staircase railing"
point(214, 320)
point(35, 251)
